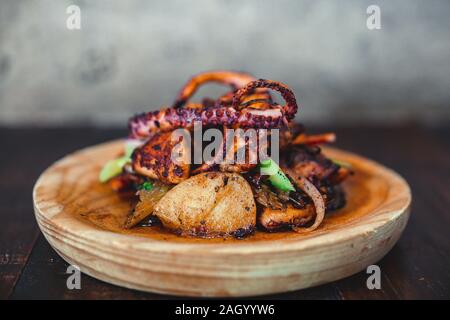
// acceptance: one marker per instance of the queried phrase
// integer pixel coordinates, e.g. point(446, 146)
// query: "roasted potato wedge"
point(210, 204)
point(147, 201)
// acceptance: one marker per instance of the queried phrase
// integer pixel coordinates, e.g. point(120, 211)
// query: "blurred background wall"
point(133, 56)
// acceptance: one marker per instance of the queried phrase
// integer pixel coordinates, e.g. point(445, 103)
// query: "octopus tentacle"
point(236, 80)
point(145, 125)
point(290, 109)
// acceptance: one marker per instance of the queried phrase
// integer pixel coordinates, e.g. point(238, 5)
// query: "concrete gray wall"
point(131, 56)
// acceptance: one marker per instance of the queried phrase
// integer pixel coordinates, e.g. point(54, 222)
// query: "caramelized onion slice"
point(317, 199)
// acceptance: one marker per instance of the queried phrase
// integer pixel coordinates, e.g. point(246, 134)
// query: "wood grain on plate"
point(82, 220)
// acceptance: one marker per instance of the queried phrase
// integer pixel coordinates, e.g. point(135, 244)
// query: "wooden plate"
point(81, 219)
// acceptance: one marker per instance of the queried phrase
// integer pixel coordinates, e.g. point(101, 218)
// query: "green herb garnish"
point(147, 186)
point(115, 167)
point(112, 168)
point(276, 176)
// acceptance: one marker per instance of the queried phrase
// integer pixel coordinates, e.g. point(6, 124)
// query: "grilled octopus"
point(236, 80)
point(247, 105)
point(252, 99)
point(222, 113)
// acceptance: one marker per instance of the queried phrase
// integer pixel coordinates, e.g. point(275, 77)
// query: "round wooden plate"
point(82, 218)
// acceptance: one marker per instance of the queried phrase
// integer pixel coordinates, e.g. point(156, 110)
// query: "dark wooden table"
point(417, 267)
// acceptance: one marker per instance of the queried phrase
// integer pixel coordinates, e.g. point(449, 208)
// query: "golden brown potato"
point(209, 204)
point(273, 220)
point(147, 201)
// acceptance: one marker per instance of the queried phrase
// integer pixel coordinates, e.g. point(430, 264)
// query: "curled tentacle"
point(236, 80)
point(145, 125)
point(289, 110)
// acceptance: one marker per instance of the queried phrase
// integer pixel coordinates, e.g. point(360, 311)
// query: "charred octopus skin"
point(248, 94)
point(218, 198)
point(237, 114)
point(154, 159)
